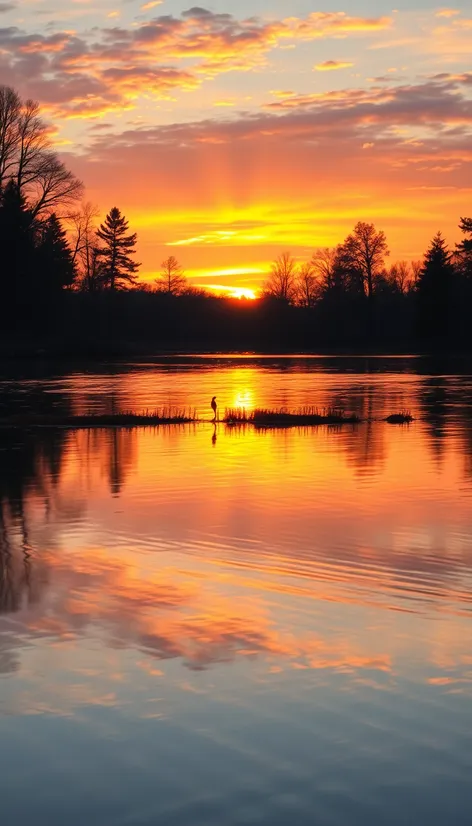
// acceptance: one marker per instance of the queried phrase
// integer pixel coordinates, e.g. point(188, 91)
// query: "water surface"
point(224, 626)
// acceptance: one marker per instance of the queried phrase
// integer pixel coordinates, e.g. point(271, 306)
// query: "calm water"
point(223, 626)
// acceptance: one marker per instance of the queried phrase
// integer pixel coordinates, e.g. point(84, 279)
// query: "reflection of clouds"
point(9, 661)
point(167, 618)
point(281, 518)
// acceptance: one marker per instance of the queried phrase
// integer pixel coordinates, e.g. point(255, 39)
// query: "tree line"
point(356, 269)
point(347, 295)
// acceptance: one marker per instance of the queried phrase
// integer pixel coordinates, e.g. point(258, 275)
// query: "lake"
point(217, 625)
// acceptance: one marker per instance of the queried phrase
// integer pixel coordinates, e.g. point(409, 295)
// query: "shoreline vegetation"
point(69, 283)
point(258, 418)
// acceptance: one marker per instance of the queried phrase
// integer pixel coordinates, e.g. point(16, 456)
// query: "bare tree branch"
point(26, 157)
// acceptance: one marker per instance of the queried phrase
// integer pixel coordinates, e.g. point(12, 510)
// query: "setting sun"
point(243, 292)
point(298, 157)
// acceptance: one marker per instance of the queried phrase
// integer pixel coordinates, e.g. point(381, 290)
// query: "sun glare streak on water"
point(215, 625)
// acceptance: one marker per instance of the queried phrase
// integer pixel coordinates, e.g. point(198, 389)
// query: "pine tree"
point(434, 290)
point(17, 244)
point(464, 249)
point(117, 267)
point(55, 258)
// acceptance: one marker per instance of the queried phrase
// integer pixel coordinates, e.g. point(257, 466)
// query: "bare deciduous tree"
point(365, 250)
point(308, 286)
point(172, 279)
point(282, 281)
point(26, 157)
point(324, 262)
point(10, 112)
point(416, 267)
point(84, 246)
point(400, 276)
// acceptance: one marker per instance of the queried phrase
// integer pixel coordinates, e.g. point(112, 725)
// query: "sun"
point(243, 292)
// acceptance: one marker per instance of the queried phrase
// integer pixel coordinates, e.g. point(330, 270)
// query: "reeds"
point(261, 417)
point(164, 415)
point(404, 417)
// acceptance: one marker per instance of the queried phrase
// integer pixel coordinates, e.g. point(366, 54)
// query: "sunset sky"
point(230, 132)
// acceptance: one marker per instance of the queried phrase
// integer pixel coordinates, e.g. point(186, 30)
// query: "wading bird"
point(214, 407)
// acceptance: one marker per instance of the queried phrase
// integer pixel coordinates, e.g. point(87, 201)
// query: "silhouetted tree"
point(364, 251)
point(172, 279)
point(27, 159)
point(400, 277)
point(434, 290)
point(282, 281)
point(464, 249)
point(324, 263)
point(10, 111)
point(117, 267)
point(17, 244)
point(55, 264)
point(361, 258)
point(85, 248)
point(307, 286)
point(416, 267)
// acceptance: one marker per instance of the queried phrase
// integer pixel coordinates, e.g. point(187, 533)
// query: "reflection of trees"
point(122, 447)
point(30, 465)
point(363, 444)
point(30, 469)
point(433, 400)
point(445, 400)
point(113, 450)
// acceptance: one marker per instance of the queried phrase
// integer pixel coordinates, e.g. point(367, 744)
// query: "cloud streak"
point(107, 67)
point(330, 65)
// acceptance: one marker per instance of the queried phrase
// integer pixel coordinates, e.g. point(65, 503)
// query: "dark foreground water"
point(222, 626)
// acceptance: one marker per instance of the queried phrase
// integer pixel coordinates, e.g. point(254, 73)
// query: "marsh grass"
point(164, 415)
point(261, 417)
point(404, 417)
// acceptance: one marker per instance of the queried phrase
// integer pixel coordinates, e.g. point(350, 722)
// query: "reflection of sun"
point(243, 398)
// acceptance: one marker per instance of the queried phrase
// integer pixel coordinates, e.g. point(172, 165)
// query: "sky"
point(230, 132)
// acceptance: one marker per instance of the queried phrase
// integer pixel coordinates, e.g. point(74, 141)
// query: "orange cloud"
point(330, 65)
point(218, 217)
point(447, 13)
point(96, 67)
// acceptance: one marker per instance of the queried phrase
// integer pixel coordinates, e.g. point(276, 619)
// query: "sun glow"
point(242, 292)
point(230, 292)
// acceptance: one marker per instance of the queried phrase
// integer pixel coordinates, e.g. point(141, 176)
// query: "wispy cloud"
point(109, 67)
point(447, 12)
point(330, 65)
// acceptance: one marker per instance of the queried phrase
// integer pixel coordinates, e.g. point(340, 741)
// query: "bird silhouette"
point(214, 407)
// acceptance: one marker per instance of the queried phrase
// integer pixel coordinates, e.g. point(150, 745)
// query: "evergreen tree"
point(464, 249)
point(54, 259)
point(117, 267)
point(17, 244)
point(434, 290)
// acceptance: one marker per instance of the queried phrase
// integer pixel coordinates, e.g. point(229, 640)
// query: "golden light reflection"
point(273, 548)
point(244, 399)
